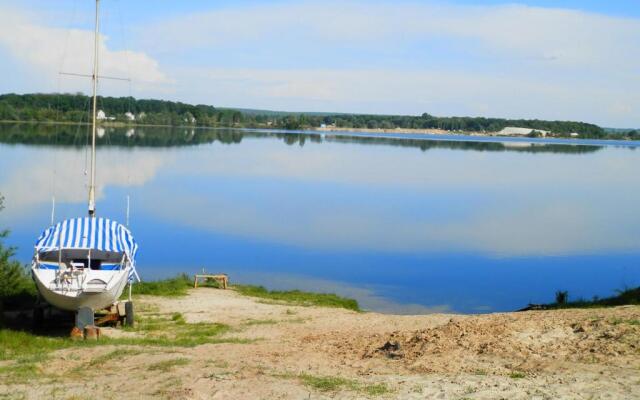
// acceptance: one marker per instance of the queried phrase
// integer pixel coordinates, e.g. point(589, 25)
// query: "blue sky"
point(576, 60)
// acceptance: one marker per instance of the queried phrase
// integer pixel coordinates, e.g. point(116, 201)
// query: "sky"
point(562, 59)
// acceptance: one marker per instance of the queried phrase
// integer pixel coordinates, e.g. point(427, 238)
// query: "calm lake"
point(412, 225)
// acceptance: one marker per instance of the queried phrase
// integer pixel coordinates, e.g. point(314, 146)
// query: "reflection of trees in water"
point(76, 135)
point(427, 144)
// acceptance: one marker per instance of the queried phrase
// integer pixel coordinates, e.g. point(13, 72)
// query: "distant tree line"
point(75, 108)
point(144, 136)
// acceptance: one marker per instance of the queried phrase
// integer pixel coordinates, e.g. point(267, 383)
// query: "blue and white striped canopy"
point(88, 233)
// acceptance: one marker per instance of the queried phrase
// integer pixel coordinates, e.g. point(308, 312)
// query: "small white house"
point(101, 115)
point(514, 131)
point(574, 134)
point(130, 116)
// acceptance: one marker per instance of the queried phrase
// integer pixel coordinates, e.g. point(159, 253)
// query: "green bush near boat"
point(16, 287)
point(297, 297)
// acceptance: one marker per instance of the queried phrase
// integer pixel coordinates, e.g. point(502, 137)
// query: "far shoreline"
point(399, 133)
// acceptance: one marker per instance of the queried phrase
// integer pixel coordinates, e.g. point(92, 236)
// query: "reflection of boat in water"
point(85, 262)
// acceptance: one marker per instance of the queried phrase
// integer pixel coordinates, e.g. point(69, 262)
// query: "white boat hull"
point(75, 293)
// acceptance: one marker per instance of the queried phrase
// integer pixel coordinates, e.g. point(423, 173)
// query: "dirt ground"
point(289, 352)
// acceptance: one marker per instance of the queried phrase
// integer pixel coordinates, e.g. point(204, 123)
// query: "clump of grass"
point(260, 322)
point(297, 297)
point(222, 364)
point(480, 372)
point(23, 344)
point(172, 287)
point(377, 389)
point(517, 375)
point(178, 318)
point(328, 383)
point(619, 321)
point(112, 356)
point(23, 369)
point(336, 383)
point(175, 331)
point(167, 365)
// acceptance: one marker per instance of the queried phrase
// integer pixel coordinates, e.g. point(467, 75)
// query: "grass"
point(328, 383)
point(23, 353)
point(299, 298)
point(100, 361)
point(17, 345)
point(22, 370)
point(623, 297)
point(113, 356)
point(336, 383)
point(619, 321)
point(517, 375)
point(178, 318)
point(167, 365)
point(159, 330)
point(260, 322)
point(480, 372)
point(172, 287)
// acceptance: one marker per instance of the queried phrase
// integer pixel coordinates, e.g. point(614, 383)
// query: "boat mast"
point(92, 186)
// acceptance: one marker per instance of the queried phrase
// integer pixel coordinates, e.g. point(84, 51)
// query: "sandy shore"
point(289, 352)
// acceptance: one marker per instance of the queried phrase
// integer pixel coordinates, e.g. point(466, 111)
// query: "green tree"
point(15, 285)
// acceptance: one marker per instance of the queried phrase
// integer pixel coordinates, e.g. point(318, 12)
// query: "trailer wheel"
point(128, 311)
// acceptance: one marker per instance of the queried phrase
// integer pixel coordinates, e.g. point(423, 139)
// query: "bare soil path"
point(276, 351)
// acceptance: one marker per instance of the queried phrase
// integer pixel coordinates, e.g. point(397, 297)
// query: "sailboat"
point(85, 262)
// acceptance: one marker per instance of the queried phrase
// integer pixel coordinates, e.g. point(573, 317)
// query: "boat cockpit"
point(80, 259)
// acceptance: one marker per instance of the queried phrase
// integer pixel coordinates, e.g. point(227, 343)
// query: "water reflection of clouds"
point(345, 197)
point(31, 176)
point(405, 166)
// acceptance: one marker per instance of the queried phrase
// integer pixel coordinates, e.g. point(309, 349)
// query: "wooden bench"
point(222, 278)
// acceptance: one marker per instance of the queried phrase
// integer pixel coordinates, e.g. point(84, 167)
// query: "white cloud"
point(385, 91)
point(45, 51)
point(509, 60)
point(569, 36)
point(353, 56)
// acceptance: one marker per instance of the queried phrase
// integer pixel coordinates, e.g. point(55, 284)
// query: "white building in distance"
point(102, 116)
point(130, 116)
point(513, 131)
